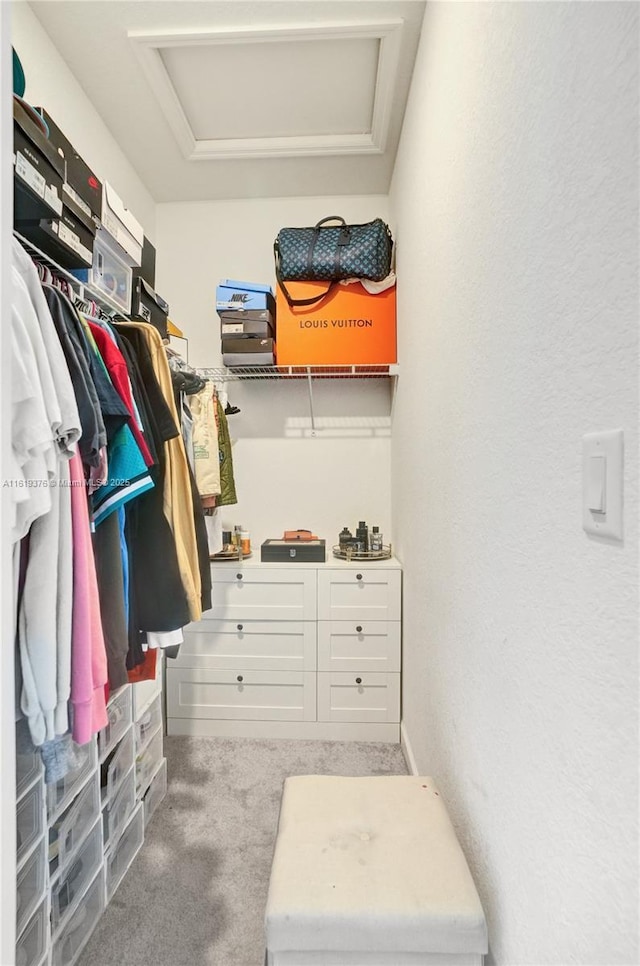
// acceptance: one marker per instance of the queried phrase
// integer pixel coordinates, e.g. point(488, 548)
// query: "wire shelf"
point(225, 374)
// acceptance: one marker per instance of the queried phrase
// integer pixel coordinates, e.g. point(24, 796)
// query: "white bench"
point(369, 872)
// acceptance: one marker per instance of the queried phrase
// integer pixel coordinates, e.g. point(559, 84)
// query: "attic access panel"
point(275, 92)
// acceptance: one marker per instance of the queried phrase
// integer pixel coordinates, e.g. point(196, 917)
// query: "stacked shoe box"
point(247, 313)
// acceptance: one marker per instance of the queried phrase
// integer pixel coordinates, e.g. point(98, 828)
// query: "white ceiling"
point(218, 99)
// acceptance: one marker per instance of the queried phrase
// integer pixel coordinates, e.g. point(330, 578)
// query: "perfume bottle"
point(375, 541)
point(362, 537)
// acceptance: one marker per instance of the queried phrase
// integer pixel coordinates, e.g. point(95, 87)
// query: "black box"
point(293, 551)
point(247, 343)
point(242, 327)
point(147, 267)
point(147, 306)
point(38, 170)
point(81, 184)
point(66, 239)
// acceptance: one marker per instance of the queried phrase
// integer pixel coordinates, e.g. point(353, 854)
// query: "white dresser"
point(293, 650)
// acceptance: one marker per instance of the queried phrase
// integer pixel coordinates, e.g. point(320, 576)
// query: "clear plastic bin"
point(114, 768)
point(155, 792)
point(31, 945)
point(63, 792)
point(29, 820)
point(109, 274)
point(115, 815)
point(148, 723)
point(73, 824)
point(143, 692)
point(119, 714)
point(69, 886)
point(31, 885)
point(73, 937)
point(28, 760)
point(118, 860)
point(147, 762)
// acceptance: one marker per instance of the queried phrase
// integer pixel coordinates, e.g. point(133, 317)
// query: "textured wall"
point(515, 198)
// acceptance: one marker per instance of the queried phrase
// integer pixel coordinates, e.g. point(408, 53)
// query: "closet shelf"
point(223, 374)
point(83, 291)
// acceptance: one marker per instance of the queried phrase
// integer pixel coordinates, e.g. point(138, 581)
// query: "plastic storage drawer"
point(143, 692)
point(147, 762)
point(63, 792)
point(29, 820)
point(119, 714)
point(156, 792)
point(69, 886)
point(73, 937)
point(28, 766)
point(119, 859)
point(31, 945)
point(31, 885)
point(115, 767)
point(109, 274)
point(115, 815)
point(73, 824)
point(148, 724)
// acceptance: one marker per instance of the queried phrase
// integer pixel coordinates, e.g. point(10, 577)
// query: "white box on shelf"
point(74, 935)
point(122, 225)
point(118, 860)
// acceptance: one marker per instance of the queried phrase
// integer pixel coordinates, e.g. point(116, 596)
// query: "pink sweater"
point(88, 654)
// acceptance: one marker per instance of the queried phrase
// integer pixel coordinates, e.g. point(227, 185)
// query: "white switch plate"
point(607, 446)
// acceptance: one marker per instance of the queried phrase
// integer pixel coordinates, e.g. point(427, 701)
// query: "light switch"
point(602, 475)
point(597, 484)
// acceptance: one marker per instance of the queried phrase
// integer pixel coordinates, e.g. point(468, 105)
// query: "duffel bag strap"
point(296, 302)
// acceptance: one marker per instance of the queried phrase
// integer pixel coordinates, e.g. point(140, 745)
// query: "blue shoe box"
point(234, 296)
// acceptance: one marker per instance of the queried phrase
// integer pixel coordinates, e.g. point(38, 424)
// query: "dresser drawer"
point(254, 645)
point(369, 646)
point(256, 593)
point(358, 697)
point(359, 595)
point(241, 694)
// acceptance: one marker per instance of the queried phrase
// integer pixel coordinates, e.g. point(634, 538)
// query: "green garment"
point(227, 483)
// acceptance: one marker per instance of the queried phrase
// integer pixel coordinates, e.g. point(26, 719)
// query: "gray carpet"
point(196, 893)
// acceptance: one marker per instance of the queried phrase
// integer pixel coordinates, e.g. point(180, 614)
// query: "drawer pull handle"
point(358, 680)
point(240, 679)
point(239, 576)
point(359, 629)
point(240, 626)
point(358, 576)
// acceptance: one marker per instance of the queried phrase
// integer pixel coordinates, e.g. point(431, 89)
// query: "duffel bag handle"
point(323, 221)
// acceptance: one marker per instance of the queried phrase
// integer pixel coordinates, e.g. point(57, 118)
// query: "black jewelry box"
point(288, 551)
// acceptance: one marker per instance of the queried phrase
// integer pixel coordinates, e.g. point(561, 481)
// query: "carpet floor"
point(196, 893)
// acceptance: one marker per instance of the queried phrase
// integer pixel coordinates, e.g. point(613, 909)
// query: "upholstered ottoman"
point(369, 872)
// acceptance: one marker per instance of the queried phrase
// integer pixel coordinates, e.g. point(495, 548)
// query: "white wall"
point(515, 197)
point(50, 84)
point(285, 477)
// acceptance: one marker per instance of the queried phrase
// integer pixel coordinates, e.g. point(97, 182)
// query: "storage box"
point(122, 225)
point(348, 327)
point(81, 186)
point(285, 551)
point(243, 326)
point(248, 351)
point(66, 239)
point(147, 267)
point(234, 296)
point(109, 273)
point(39, 170)
point(147, 305)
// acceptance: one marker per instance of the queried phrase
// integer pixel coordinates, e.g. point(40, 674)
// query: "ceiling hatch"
point(275, 92)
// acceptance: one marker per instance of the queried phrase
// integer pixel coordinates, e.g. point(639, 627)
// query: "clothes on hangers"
point(110, 552)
